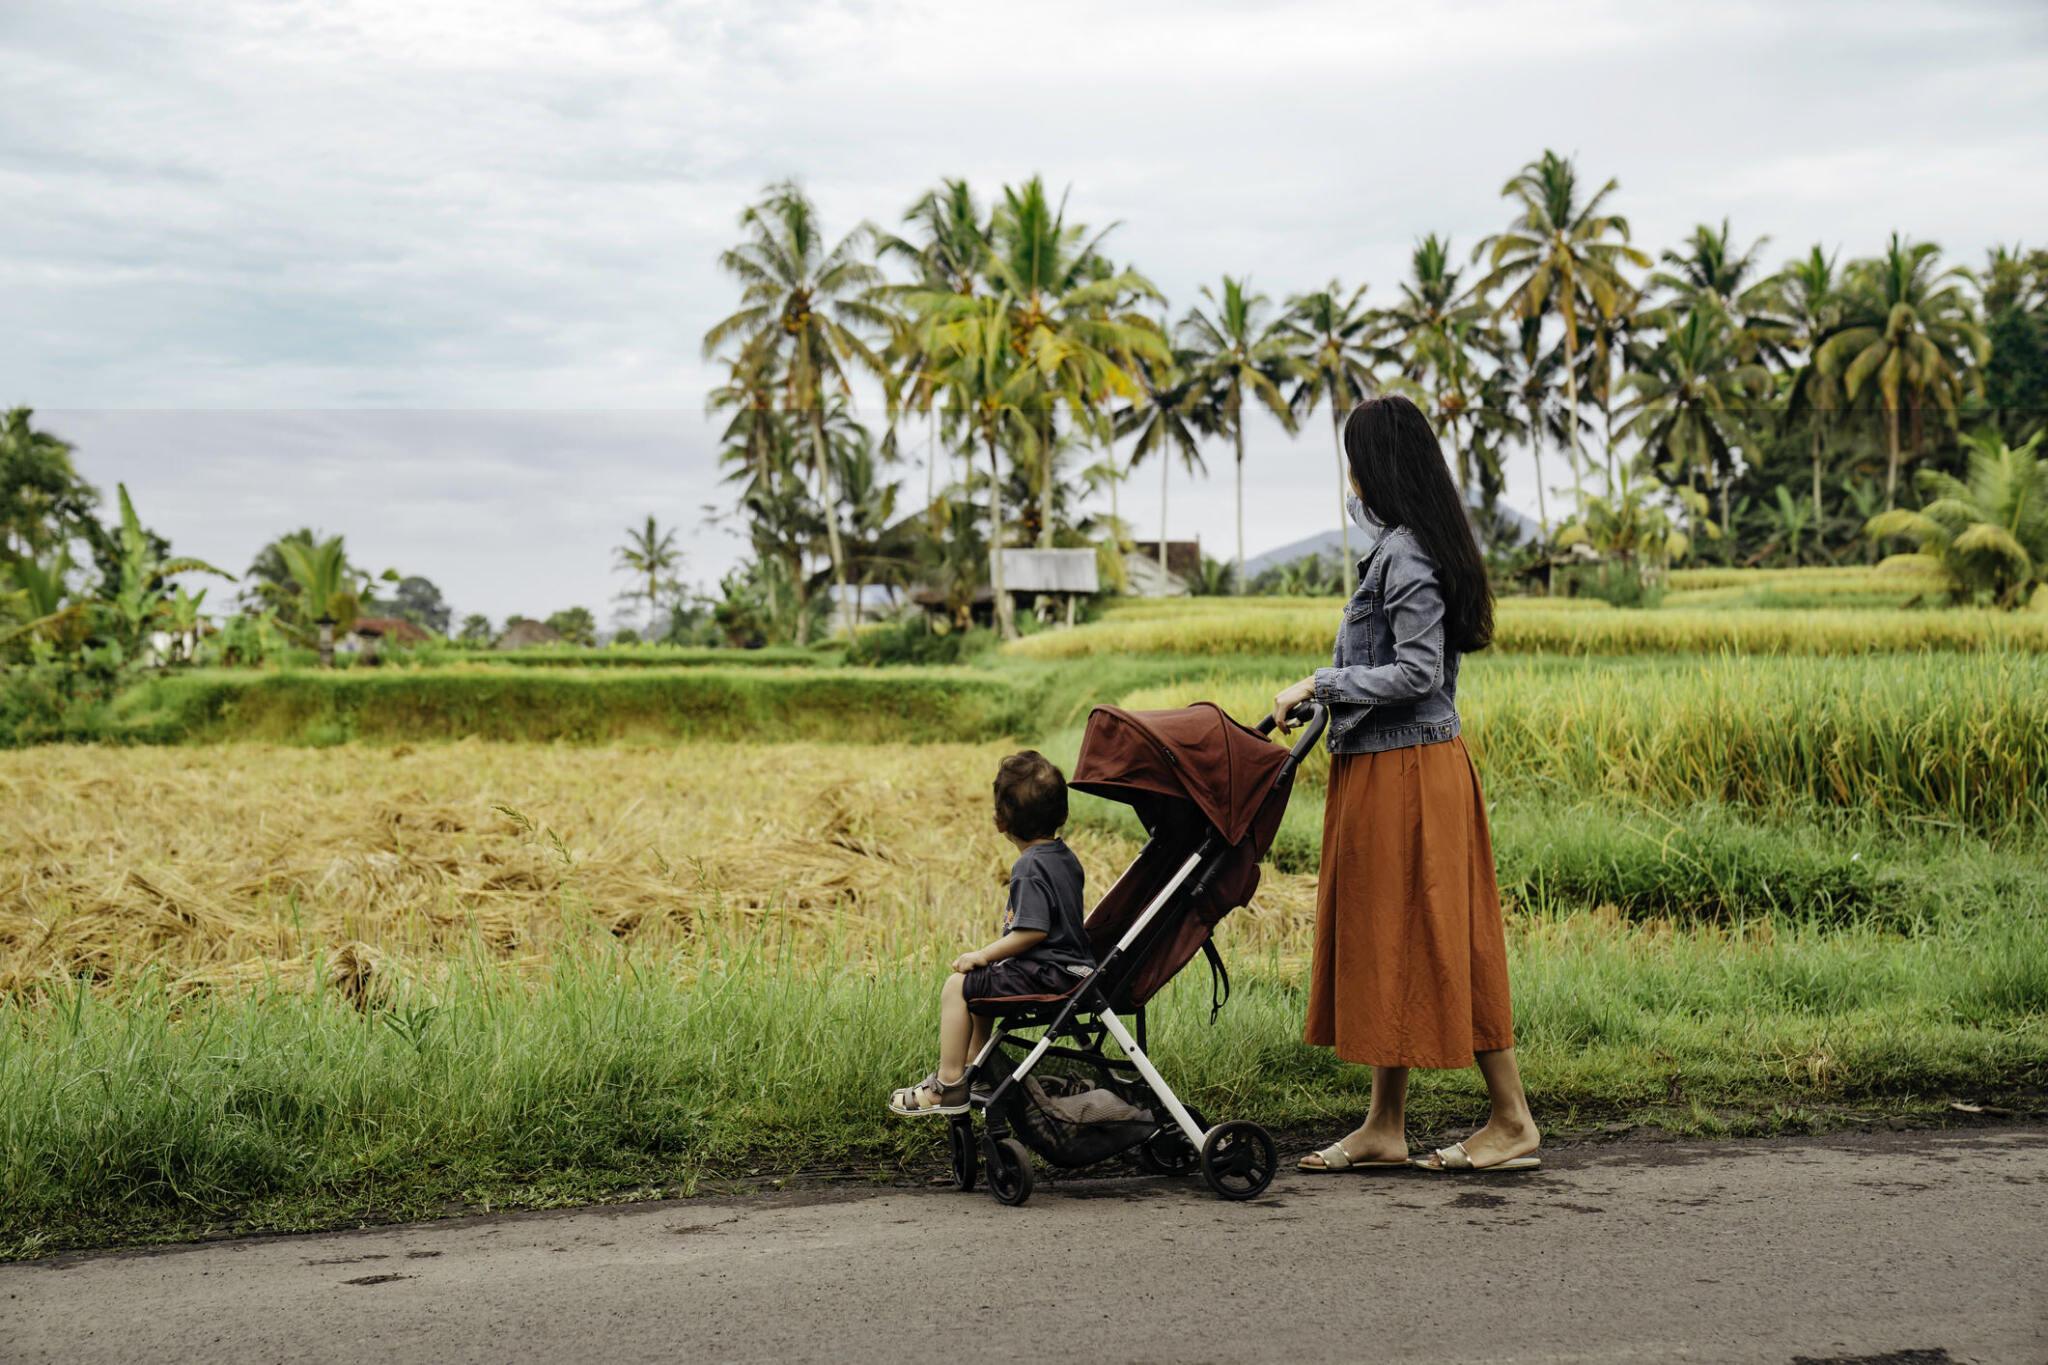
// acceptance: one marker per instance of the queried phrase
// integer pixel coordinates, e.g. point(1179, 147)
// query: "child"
point(1044, 949)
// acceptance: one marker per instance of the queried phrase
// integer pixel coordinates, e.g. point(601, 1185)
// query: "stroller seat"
point(1027, 1009)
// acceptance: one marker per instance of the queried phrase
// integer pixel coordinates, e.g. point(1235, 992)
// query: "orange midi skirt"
point(1411, 963)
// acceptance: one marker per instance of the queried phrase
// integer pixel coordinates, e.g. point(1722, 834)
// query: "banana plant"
point(36, 604)
point(141, 599)
point(1988, 535)
point(1630, 526)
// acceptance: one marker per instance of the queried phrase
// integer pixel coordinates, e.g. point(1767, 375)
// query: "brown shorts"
point(1017, 983)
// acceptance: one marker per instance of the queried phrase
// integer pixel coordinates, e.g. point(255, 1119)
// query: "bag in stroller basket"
point(1074, 1115)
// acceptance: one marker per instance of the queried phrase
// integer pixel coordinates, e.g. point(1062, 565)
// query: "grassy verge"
point(630, 656)
point(580, 705)
point(149, 1116)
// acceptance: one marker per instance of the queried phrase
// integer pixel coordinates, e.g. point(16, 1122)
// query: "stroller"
point(1210, 793)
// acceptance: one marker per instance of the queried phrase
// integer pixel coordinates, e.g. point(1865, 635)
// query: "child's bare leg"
point(956, 1027)
point(977, 1037)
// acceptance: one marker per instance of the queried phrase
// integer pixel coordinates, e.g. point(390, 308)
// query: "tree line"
point(1694, 402)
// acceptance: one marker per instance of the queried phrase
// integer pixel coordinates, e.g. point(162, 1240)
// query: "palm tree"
point(1908, 338)
point(1528, 373)
point(1611, 327)
point(1233, 350)
point(1443, 335)
point(1164, 416)
point(43, 502)
point(1071, 317)
point(806, 302)
point(650, 554)
point(880, 548)
point(1710, 268)
point(1809, 298)
point(976, 365)
point(949, 257)
point(1334, 341)
point(1559, 255)
point(1989, 535)
point(752, 379)
point(1690, 400)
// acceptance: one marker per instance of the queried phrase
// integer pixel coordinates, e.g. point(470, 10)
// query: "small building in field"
point(1144, 578)
point(1183, 562)
point(1063, 575)
point(368, 636)
point(526, 635)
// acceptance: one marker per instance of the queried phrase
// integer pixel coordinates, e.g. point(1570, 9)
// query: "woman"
point(1410, 964)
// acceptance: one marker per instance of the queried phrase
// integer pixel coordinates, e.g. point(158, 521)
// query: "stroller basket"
point(1075, 1113)
point(1210, 793)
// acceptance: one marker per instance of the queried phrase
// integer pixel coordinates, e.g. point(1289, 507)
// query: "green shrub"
point(1618, 585)
point(915, 642)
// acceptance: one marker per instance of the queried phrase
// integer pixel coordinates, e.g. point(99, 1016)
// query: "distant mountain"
point(1330, 544)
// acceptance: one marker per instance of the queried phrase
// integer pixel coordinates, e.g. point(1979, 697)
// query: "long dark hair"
point(1404, 481)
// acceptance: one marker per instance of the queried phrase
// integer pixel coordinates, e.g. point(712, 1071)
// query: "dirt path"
point(1886, 1247)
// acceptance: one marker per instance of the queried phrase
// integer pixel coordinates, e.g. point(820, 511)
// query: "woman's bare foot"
point(1500, 1140)
point(1364, 1145)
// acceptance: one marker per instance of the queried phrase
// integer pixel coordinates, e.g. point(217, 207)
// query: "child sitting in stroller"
point(1043, 950)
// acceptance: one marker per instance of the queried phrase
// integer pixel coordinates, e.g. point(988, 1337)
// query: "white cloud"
point(437, 205)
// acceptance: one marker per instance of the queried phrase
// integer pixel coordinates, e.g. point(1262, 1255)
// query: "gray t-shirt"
point(1045, 894)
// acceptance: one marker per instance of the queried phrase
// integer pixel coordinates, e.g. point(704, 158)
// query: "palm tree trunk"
point(1607, 423)
point(1006, 620)
point(1343, 512)
point(931, 459)
point(1116, 520)
point(1571, 426)
point(800, 591)
point(1536, 452)
point(1891, 468)
point(831, 502)
point(1816, 479)
point(1165, 468)
point(1045, 482)
point(1239, 433)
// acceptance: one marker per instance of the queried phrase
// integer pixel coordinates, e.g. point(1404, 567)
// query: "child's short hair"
point(1031, 796)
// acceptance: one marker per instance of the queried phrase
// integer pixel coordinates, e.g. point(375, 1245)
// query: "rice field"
point(1192, 627)
point(1961, 739)
point(335, 948)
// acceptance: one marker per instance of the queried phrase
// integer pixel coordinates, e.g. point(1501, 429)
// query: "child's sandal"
point(952, 1098)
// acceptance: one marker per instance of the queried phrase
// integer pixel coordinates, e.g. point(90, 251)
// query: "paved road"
point(1889, 1247)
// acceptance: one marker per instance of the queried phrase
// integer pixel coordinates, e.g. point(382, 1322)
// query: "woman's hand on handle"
point(1285, 702)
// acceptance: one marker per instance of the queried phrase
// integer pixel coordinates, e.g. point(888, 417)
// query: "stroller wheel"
point(1238, 1160)
point(1009, 1170)
point(960, 1140)
point(1168, 1151)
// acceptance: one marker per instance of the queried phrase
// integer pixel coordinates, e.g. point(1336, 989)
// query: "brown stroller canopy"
point(1196, 754)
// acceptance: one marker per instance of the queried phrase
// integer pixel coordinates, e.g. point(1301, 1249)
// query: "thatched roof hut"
point(526, 634)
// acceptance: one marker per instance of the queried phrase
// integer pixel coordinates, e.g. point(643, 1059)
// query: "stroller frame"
point(1237, 1159)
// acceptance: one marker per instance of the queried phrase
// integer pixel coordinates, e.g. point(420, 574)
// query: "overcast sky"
point(434, 273)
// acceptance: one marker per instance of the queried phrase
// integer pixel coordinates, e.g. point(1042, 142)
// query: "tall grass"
point(1826, 578)
point(149, 1114)
point(1126, 609)
point(1307, 629)
point(1943, 738)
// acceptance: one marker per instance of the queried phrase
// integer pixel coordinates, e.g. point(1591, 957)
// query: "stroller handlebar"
point(1313, 716)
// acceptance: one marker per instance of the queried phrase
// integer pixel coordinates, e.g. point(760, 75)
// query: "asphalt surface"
point(1889, 1247)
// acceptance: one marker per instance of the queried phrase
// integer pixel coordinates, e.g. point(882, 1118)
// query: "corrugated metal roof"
point(1050, 571)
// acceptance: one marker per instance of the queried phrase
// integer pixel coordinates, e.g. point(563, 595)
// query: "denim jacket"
point(1393, 681)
